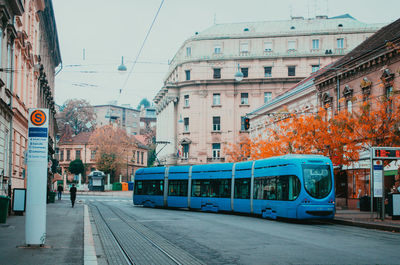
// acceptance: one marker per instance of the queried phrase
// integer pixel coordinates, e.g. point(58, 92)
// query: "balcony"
point(216, 160)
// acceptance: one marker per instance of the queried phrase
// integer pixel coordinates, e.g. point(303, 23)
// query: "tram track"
point(136, 243)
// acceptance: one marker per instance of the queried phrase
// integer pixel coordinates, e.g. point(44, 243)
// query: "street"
point(233, 239)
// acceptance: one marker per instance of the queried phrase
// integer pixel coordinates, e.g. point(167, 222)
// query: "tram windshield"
point(317, 180)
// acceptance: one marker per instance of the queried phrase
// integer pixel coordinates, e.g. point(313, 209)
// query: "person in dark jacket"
point(72, 192)
point(60, 189)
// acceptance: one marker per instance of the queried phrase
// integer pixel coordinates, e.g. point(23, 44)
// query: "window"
point(268, 71)
point(9, 66)
point(244, 98)
point(141, 160)
point(291, 70)
point(187, 73)
point(1, 42)
point(92, 154)
point(68, 155)
point(267, 96)
point(216, 99)
point(137, 156)
point(268, 46)
point(215, 188)
point(217, 49)
point(216, 123)
point(315, 44)
point(185, 148)
point(283, 188)
point(389, 91)
point(216, 150)
point(349, 105)
point(340, 43)
point(314, 68)
point(188, 51)
point(78, 154)
point(245, 71)
point(317, 180)
point(244, 47)
point(149, 187)
point(242, 188)
point(186, 124)
point(62, 155)
point(242, 123)
point(186, 100)
point(178, 188)
point(291, 45)
point(217, 73)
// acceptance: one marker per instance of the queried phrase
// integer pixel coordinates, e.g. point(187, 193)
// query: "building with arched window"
point(202, 106)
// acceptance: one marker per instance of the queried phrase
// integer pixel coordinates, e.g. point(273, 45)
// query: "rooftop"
point(295, 26)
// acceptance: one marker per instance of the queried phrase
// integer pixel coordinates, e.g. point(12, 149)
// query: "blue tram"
point(290, 186)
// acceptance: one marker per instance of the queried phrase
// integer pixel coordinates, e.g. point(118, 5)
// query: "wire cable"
point(141, 48)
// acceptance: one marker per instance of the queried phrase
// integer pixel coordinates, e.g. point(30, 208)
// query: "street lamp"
point(238, 74)
point(122, 68)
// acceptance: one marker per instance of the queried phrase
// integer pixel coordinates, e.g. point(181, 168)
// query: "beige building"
point(124, 117)
point(201, 107)
point(29, 56)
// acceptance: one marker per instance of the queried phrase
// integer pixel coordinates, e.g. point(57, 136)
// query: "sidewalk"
point(125, 194)
point(64, 243)
point(366, 220)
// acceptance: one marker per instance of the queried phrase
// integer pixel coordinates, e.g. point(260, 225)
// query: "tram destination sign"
point(386, 153)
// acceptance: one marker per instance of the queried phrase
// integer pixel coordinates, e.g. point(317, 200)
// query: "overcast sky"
point(94, 34)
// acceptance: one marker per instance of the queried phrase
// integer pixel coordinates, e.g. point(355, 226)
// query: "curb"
point(89, 252)
point(367, 225)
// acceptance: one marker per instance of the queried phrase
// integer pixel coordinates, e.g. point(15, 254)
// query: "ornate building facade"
point(201, 107)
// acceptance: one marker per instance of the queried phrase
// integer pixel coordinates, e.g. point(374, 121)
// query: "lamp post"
point(238, 74)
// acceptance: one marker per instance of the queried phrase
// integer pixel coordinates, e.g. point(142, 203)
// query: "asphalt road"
point(234, 239)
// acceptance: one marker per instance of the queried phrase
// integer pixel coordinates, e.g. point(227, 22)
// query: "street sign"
point(386, 153)
point(37, 157)
point(378, 178)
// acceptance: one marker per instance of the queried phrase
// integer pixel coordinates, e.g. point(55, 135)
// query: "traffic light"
point(246, 123)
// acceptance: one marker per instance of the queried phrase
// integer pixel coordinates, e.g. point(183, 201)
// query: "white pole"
point(108, 181)
point(35, 222)
point(80, 179)
point(120, 178)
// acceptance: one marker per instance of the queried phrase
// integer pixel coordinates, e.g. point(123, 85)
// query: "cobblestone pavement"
point(126, 241)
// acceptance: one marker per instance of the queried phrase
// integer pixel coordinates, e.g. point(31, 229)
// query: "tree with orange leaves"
point(112, 146)
point(341, 137)
point(378, 122)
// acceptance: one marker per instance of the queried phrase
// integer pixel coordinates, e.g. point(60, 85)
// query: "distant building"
point(124, 117)
point(71, 147)
point(201, 107)
point(148, 119)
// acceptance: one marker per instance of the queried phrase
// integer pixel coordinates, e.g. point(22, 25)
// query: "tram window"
point(196, 188)
point(218, 188)
point(242, 188)
point(139, 188)
point(283, 188)
point(221, 188)
point(149, 187)
point(317, 180)
point(177, 188)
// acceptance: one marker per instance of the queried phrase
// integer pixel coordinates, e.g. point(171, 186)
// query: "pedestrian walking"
point(60, 189)
point(72, 192)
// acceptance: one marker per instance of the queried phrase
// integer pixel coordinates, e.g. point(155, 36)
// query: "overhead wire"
point(141, 48)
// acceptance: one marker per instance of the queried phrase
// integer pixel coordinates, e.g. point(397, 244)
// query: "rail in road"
point(126, 241)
